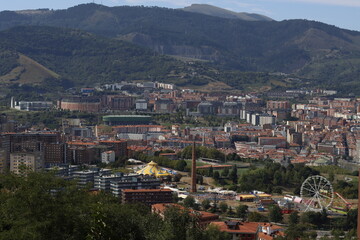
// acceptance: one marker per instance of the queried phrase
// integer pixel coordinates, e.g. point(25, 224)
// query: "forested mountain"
point(319, 53)
point(60, 57)
point(83, 58)
point(224, 13)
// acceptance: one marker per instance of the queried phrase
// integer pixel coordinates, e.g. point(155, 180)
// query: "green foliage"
point(216, 176)
point(200, 152)
point(223, 206)
point(299, 231)
point(242, 211)
point(230, 211)
point(157, 153)
point(8, 61)
point(213, 233)
point(233, 175)
point(225, 172)
point(247, 46)
point(180, 222)
point(199, 179)
point(275, 214)
point(294, 218)
point(233, 157)
point(163, 161)
point(51, 118)
point(345, 224)
point(211, 172)
point(86, 59)
point(205, 204)
point(347, 189)
point(189, 201)
point(318, 219)
point(331, 169)
point(273, 174)
point(256, 217)
point(180, 165)
point(41, 206)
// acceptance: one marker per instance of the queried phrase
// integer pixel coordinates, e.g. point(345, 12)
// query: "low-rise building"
point(133, 181)
point(86, 177)
point(31, 105)
point(147, 196)
point(203, 218)
point(103, 182)
point(249, 230)
point(239, 230)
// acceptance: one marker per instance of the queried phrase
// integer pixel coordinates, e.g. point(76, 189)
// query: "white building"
point(108, 157)
point(165, 85)
point(141, 105)
point(30, 105)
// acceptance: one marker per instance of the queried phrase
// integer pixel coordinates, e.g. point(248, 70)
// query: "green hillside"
point(322, 54)
point(83, 57)
point(63, 57)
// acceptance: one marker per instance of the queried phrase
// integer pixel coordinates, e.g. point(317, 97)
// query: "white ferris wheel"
point(317, 193)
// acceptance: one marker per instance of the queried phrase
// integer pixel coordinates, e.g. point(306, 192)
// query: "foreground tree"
point(41, 206)
point(275, 214)
point(205, 204)
point(233, 175)
point(223, 207)
point(189, 201)
point(242, 211)
point(294, 218)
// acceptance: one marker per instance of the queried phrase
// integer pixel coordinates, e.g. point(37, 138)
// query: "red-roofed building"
point(239, 230)
point(249, 230)
point(203, 218)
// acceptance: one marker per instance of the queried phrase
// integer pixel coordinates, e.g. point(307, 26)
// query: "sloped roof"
point(154, 170)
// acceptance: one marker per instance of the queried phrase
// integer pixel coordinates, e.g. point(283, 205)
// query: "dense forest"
point(84, 59)
point(320, 54)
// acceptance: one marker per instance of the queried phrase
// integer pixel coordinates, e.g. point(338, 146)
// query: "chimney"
point(193, 170)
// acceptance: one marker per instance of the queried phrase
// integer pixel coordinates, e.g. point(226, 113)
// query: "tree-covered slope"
point(224, 13)
point(55, 57)
point(261, 45)
point(304, 48)
point(84, 58)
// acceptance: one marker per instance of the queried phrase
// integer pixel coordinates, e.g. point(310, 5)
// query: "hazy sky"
point(341, 13)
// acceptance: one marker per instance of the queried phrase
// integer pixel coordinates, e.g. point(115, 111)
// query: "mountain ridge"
point(300, 47)
point(224, 13)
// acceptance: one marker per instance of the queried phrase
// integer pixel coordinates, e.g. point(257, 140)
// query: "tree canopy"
point(42, 206)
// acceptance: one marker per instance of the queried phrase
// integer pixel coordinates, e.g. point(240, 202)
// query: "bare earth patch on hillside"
point(29, 72)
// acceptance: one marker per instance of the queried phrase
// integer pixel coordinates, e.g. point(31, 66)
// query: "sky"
point(341, 13)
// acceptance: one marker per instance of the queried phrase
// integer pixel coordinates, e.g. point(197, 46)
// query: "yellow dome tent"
point(153, 169)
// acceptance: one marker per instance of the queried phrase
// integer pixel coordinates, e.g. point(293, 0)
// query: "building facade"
point(147, 196)
point(23, 162)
